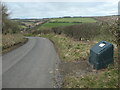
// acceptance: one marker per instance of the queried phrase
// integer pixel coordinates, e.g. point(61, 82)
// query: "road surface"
point(31, 65)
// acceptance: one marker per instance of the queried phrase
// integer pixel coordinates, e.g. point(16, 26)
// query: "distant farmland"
point(59, 22)
point(107, 19)
point(75, 20)
point(50, 25)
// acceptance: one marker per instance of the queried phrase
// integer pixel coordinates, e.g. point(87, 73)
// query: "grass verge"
point(104, 79)
point(12, 41)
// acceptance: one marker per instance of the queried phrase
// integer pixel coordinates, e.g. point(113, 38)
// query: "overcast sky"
point(59, 9)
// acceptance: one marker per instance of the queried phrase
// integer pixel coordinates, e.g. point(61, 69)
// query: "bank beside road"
point(12, 41)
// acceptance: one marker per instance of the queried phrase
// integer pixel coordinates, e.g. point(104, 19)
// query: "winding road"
point(32, 65)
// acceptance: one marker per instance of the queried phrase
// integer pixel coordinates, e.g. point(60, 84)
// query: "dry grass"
point(104, 79)
point(11, 40)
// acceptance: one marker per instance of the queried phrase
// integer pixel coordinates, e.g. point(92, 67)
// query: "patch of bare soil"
point(75, 68)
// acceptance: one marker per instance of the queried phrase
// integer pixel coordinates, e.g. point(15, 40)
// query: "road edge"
point(58, 77)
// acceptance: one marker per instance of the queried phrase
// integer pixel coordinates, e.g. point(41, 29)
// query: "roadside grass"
point(83, 20)
point(69, 49)
point(10, 40)
point(103, 79)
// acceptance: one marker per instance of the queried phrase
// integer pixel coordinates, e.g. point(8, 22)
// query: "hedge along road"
point(31, 65)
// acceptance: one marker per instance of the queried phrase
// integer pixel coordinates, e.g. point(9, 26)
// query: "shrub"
point(86, 31)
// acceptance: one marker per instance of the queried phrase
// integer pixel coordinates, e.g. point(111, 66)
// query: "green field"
point(50, 25)
point(59, 22)
point(83, 20)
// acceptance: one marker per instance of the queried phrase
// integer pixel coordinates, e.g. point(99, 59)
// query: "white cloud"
point(58, 9)
point(60, 0)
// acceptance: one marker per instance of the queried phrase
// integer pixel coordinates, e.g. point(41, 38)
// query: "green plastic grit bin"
point(101, 54)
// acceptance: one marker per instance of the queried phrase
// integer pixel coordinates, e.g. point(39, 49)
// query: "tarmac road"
point(31, 65)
